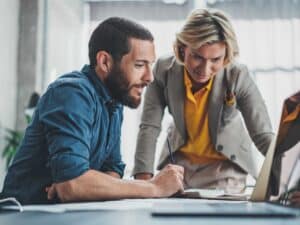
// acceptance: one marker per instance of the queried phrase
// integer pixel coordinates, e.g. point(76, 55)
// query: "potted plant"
point(13, 140)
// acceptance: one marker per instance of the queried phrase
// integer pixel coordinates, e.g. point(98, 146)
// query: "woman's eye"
point(198, 57)
point(215, 60)
point(139, 65)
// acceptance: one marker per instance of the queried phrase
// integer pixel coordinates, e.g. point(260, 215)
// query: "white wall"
point(9, 11)
point(271, 49)
point(65, 38)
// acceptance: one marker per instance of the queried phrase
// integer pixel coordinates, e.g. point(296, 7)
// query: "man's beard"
point(119, 88)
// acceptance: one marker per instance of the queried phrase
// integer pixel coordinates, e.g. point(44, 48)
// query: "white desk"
point(127, 215)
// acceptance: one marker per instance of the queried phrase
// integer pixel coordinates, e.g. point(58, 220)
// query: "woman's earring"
point(182, 52)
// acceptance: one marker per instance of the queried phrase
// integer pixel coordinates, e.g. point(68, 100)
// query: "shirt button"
point(219, 148)
point(232, 157)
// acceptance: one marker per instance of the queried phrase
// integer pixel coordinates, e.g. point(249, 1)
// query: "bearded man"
point(71, 149)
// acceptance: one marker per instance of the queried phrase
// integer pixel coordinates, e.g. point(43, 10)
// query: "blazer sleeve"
point(150, 127)
point(254, 110)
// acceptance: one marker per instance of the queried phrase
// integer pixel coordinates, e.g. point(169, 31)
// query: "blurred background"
point(43, 39)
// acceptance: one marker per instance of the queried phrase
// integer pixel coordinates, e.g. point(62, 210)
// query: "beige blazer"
point(230, 134)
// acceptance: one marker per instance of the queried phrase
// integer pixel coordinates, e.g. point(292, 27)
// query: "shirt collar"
point(101, 89)
point(188, 82)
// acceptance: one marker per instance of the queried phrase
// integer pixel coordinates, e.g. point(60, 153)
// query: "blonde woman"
point(218, 110)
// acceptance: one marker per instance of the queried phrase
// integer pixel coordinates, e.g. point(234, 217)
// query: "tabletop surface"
point(128, 213)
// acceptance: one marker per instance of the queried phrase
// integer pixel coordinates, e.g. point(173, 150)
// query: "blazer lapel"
point(176, 96)
point(215, 105)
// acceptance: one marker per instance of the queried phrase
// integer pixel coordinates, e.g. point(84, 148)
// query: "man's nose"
point(148, 75)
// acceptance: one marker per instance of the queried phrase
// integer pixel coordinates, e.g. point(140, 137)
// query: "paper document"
point(126, 204)
point(215, 194)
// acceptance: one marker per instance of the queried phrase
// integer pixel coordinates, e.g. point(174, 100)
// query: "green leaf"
point(13, 139)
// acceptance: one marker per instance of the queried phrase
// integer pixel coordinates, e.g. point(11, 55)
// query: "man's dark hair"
point(112, 36)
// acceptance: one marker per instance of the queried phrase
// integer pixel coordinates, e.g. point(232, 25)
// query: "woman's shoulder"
point(165, 64)
point(238, 68)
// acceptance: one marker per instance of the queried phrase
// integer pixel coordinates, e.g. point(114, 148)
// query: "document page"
point(215, 194)
point(119, 205)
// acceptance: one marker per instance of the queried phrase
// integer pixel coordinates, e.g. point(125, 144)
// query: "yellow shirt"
point(199, 148)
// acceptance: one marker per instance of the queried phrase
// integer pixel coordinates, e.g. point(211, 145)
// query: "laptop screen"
point(285, 168)
point(278, 174)
point(285, 175)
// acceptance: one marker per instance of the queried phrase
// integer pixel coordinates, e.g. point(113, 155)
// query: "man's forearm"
point(113, 174)
point(94, 185)
point(143, 176)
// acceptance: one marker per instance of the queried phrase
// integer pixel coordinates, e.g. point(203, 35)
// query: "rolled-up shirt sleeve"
point(66, 114)
point(114, 161)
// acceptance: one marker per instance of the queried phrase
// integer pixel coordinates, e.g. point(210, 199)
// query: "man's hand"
point(168, 181)
point(143, 176)
point(51, 192)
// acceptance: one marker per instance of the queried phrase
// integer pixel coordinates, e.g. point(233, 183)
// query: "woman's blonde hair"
point(206, 26)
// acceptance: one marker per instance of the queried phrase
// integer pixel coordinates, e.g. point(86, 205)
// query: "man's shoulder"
point(73, 80)
point(74, 77)
point(73, 87)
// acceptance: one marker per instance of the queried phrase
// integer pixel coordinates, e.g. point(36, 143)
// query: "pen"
point(170, 151)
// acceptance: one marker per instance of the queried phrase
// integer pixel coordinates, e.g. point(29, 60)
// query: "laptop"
point(285, 145)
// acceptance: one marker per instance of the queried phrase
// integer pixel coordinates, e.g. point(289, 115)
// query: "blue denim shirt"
point(76, 127)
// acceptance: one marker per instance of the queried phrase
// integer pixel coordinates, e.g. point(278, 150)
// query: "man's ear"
point(104, 61)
